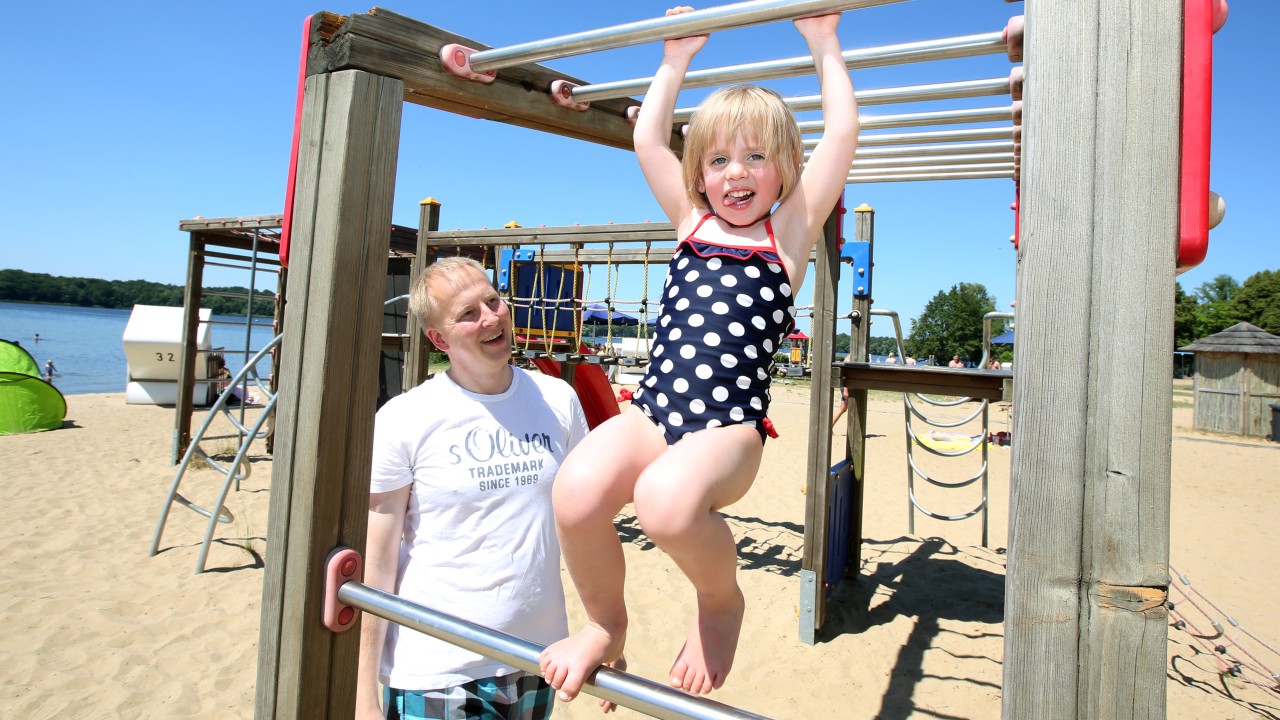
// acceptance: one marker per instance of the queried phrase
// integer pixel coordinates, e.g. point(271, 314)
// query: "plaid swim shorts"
point(518, 696)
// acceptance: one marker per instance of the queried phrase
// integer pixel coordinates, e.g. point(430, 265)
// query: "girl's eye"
point(717, 161)
point(755, 157)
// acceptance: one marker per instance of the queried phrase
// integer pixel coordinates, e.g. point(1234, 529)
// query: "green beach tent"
point(27, 402)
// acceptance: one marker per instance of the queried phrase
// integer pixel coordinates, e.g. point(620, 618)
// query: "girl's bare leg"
point(678, 498)
point(596, 480)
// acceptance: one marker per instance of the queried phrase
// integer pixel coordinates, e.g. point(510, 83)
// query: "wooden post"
point(1085, 617)
point(826, 277)
point(417, 360)
point(329, 386)
point(189, 355)
point(856, 414)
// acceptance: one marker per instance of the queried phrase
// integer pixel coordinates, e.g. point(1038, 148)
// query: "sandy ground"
point(97, 628)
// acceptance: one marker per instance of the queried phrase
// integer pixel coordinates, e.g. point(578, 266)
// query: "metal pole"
point(957, 167)
point(937, 117)
point(630, 691)
point(894, 161)
point(890, 96)
point(697, 22)
point(932, 136)
point(945, 49)
point(1004, 146)
point(911, 177)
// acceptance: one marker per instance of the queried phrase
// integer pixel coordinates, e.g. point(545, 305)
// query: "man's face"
point(474, 328)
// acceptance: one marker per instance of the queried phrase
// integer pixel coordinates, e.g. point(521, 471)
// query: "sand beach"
point(95, 628)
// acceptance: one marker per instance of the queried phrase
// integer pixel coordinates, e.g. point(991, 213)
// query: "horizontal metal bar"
point(933, 136)
point(944, 49)
point(905, 161)
point(961, 167)
point(697, 22)
point(626, 690)
point(936, 117)
point(911, 177)
point(893, 151)
point(890, 96)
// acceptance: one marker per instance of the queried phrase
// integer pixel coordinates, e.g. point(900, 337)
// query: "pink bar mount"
point(343, 565)
point(1015, 83)
point(1201, 18)
point(1013, 37)
point(562, 95)
point(456, 60)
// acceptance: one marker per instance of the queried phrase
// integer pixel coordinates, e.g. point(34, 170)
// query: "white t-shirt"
point(479, 535)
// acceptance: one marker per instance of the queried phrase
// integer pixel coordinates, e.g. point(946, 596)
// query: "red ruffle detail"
point(769, 429)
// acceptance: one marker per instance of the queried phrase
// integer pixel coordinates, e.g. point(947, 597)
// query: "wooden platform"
point(955, 382)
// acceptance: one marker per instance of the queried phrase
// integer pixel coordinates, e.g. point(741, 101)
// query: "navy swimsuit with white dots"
point(724, 312)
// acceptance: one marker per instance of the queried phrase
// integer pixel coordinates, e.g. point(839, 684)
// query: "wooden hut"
point(1237, 378)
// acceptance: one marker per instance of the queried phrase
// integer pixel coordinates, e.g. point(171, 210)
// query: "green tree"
point(951, 323)
point(1215, 311)
point(1185, 317)
point(882, 345)
point(1258, 301)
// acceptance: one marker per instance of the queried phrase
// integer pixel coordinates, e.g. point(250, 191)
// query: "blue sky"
point(134, 119)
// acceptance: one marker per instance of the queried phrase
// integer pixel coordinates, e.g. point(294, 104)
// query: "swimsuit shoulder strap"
point(693, 233)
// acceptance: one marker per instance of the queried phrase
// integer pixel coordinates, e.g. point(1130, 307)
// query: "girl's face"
point(740, 182)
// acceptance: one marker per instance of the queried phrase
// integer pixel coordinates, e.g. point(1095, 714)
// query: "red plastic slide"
point(592, 384)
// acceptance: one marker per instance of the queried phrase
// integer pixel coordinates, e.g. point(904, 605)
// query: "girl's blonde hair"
point(426, 306)
point(756, 112)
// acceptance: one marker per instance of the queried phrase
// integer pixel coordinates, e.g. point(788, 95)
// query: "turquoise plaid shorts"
point(518, 696)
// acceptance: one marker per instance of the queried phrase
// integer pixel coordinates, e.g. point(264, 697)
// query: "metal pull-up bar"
point(696, 22)
point(1006, 41)
point(1011, 85)
point(615, 686)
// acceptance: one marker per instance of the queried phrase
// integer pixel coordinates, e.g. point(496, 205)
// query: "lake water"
point(87, 344)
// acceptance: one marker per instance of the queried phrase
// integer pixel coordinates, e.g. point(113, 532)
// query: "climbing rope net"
point(1236, 651)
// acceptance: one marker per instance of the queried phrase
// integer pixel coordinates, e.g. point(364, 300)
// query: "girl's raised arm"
point(827, 171)
point(652, 134)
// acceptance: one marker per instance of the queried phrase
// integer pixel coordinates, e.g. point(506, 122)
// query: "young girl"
point(691, 442)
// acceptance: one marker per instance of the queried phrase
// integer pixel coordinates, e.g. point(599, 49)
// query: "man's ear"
point(437, 338)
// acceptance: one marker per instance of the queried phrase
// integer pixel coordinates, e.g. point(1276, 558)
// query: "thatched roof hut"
point(1237, 379)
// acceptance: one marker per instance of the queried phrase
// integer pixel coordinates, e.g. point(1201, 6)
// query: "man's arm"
point(381, 567)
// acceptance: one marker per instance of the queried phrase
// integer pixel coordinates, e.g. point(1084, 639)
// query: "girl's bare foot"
point(567, 664)
point(707, 655)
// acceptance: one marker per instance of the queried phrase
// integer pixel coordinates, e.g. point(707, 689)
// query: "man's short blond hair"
point(757, 113)
point(424, 305)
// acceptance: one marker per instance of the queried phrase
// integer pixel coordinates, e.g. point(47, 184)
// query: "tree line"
point(951, 323)
point(23, 286)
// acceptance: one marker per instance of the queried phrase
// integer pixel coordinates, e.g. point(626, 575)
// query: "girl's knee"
point(665, 512)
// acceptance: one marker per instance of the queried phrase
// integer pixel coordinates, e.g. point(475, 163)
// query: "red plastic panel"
point(1200, 19)
point(292, 183)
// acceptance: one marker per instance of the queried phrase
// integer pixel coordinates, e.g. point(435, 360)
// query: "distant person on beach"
point(49, 370)
point(955, 362)
point(460, 516)
point(37, 337)
point(993, 364)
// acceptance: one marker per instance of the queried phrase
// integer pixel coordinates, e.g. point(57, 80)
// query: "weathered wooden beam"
point(826, 278)
point(417, 361)
point(1089, 510)
point(951, 382)
point(564, 234)
point(393, 45)
point(320, 490)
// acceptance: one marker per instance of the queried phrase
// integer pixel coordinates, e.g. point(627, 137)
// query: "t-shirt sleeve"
point(577, 421)
point(392, 466)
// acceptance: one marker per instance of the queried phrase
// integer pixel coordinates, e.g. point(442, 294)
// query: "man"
point(955, 362)
point(460, 516)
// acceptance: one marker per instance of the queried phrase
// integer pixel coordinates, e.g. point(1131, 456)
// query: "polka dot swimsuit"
point(724, 312)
